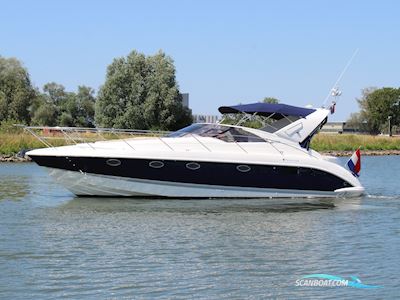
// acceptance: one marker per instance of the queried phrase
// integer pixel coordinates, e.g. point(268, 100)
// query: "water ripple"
point(53, 245)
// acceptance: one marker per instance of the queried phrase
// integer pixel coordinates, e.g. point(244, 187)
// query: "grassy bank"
point(12, 143)
point(350, 142)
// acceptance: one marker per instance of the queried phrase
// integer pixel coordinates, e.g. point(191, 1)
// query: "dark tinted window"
point(222, 132)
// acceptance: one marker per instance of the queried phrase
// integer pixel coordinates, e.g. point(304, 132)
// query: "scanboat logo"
point(326, 280)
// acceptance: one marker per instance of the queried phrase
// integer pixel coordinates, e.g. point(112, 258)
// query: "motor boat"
point(207, 160)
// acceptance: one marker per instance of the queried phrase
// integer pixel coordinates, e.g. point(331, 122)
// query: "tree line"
point(139, 92)
point(379, 110)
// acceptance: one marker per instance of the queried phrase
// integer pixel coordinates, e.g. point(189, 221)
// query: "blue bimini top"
point(275, 111)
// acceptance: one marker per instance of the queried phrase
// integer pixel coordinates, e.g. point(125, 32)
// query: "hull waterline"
point(86, 184)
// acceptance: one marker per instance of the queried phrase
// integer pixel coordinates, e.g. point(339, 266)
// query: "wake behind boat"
point(209, 160)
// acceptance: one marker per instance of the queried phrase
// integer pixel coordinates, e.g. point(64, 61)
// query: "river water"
point(53, 244)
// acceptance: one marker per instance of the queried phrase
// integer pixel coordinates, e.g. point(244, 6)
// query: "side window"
point(226, 136)
point(242, 136)
point(238, 135)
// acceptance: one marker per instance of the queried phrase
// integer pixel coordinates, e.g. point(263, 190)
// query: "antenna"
point(335, 92)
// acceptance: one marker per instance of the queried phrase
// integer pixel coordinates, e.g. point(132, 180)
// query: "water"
point(53, 244)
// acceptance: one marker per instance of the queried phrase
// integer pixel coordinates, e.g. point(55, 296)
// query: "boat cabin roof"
point(275, 111)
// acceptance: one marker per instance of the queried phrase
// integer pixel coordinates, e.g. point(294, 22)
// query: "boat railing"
point(58, 136)
point(52, 137)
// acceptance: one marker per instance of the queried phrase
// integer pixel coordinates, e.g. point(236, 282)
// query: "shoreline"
point(13, 158)
point(337, 153)
point(341, 153)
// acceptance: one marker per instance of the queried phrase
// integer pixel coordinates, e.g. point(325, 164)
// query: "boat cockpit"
point(294, 123)
point(222, 132)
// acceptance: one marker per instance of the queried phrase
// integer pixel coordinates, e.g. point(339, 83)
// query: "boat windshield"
point(222, 132)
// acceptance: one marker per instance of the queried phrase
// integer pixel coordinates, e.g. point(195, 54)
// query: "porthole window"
point(113, 162)
point(243, 168)
point(156, 164)
point(193, 166)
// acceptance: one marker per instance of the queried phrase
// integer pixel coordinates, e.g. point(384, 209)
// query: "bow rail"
point(58, 136)
point(53, 137)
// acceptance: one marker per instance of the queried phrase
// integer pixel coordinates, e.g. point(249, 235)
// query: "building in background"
point(197, 118)
point(185, 99)
point(341, 127)
point(333, 127)
point(206, 118)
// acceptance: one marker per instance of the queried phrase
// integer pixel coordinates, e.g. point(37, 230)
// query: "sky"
point(225, 52)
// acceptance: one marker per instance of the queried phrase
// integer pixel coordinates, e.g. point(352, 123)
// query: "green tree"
point(55, 93)
point(66, 119)
point(270, 100)
point(357, 122)
point(141, 92)
point(45, 115)
point(47, 107)
point(56, 106)
point(85, 104)
point(376, 106)
point(16, 91)
point(77, 109)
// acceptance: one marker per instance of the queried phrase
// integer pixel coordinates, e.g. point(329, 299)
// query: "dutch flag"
point(354, 163)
